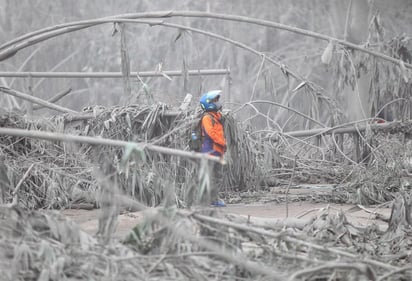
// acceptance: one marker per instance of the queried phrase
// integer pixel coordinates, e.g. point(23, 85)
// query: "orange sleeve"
point(215, 131)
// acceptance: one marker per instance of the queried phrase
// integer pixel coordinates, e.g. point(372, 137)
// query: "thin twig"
point(288, 188)
point(348, 14)
point(283, 106)
point(257, 77)
point(341, 152)
point(55, 98)
point(376, 214)
point(19, 184)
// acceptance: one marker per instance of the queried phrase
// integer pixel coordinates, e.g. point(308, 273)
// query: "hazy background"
point(95, 49)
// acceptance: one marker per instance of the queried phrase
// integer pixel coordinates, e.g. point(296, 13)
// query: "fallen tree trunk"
point(271, 222)
point(389, 126)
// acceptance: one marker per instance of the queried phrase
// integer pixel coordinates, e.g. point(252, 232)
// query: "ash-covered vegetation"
point(315, 92)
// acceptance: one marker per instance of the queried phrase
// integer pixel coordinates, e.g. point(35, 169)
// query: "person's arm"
point(216, 135)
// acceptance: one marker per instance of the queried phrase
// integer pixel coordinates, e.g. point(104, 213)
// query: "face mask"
point(218, 105)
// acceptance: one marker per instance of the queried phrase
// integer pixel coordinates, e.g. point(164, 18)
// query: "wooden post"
point(125, 61)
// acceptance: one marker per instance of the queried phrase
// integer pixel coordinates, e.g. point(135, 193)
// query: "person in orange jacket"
point(213, 137)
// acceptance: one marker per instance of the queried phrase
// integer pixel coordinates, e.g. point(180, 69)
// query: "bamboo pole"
point(125, 61)
point(36, 100)
point(340, 130)
point(79, 116)
point(51, 136)
point(40, 74)
point(10, 48)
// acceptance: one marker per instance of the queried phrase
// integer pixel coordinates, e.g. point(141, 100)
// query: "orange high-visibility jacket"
point(214, 141)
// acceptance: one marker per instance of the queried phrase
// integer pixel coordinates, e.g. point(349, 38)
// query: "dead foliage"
point(63, 173)
point(173, 244)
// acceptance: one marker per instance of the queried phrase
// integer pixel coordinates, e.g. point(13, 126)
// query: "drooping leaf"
point(107, 124)
point(128, 120)
point(115, 28)
point(179, 34)
point(166, 76)
point(404, 71)
point(128, 152)
point(327, 53)
point(299, 86)
point(130, 147)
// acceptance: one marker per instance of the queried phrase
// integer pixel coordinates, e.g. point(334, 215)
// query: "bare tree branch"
point(101, 141)
point(36, 100)
point(49, 32)
point(55, 98)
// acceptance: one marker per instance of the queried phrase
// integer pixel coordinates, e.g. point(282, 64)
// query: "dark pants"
point(217, 181)
point(211, 194)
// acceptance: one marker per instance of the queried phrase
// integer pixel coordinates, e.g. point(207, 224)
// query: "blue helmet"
point(210, 101)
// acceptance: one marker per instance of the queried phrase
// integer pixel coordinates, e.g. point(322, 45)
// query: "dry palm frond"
point(62, 173)
point(54, 172)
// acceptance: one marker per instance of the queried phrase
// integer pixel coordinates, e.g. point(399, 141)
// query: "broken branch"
point(36, 100)
point(54, 99)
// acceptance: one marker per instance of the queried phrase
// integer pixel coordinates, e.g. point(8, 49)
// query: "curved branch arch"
point(39, 36)
point(47, 35)
point(282, 106)
point(9, 49)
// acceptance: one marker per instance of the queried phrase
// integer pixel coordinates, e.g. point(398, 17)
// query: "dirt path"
point(88, 220)
point(271, 205)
